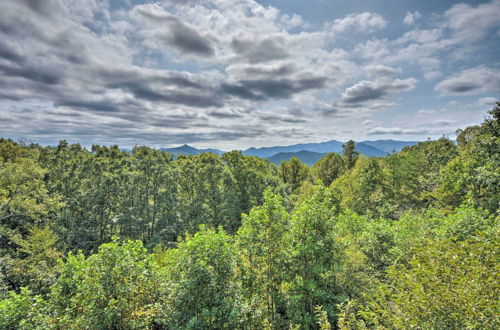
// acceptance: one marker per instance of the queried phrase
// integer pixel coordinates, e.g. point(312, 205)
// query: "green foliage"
point(322, 318)
point(294, 173)
point(350, 153)
point(112, 289)
point(445, 285)
point(36, 262)
point(262, 261)
point(252, 176)
point(475, 173)
point(364, 189)
point(328, 168)
point(23, 311)
point(313, 260)
point(23, 195)
point(198, 288)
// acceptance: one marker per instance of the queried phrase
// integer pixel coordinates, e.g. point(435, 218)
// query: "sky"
point(231, 74)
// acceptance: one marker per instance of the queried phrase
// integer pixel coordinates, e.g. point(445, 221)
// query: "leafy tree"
point(23, 311)
point(112, 289)
point(262, 261)
point(294, 173)
point(350, 153)
point(364, 188)
point(313, 259)
point(24, 198)
point(149, 210)
point(198, 283)
point(252, 176)
point(36, 265)
point(474, 174)
point(445, 285)
point(206, 193)
point(328, 168)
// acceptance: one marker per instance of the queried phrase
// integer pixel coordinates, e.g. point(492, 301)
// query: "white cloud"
point(432, 75)
point(365, 91)
point(473, 23)
point(367, 22)
point(480, 79)
point(411, 18)
point(380, 70)
point(486, 101)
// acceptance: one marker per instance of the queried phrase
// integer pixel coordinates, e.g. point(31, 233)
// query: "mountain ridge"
point(306, 152)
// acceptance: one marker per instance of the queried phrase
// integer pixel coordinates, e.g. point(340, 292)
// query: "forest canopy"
point(109, 239)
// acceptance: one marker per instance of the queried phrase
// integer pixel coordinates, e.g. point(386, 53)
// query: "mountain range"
point(308, 153)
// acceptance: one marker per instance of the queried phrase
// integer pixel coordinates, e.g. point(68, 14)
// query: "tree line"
point(108, 239)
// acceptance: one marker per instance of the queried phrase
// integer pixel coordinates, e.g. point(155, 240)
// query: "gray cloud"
point(480, 79)
point(398, 131)
point(260, 90)
point(364, 91)
point(380, 70)
point(258, 51)
point(183, 37)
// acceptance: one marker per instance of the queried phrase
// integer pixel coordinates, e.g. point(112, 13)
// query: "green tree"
point(294, 173)
point(328, 168)
point(475, 174)
point(350, 153)
point(445, 285)
point(198, 283)
point(313, 261)
point(112, 289)
point(252, 176)
point(262, 261)
point(364, 188)
point(36, 263)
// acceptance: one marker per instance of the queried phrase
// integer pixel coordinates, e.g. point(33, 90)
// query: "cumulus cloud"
point(411, 18)
point(185, 38)
point(473, 23)
point(380, 70)
point(476, 80)
point(486, 101)
point(263, 50)
point(365, 91)
point(366, 22)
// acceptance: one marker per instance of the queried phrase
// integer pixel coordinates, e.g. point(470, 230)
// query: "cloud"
point(397, 131)
point(487, 101)
point(480, 79)
point(473, 23)
point(425, 112)
point(443, 122)
point(365, 91)
point(186, 39)
point(263, 50)
point(411, 18)
point(380, 70)
point(260, 90)
point(366, 22)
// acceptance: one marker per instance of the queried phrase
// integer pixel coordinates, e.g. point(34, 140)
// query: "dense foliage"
point(108, 239)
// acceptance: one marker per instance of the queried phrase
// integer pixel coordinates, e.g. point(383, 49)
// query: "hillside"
point(306, 157)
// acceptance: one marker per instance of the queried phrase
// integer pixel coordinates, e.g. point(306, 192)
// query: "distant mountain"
point(369, 151)
point(390, 145)
point(378, 148)
point(188, 150)
point(306, 157)
point(308, 153)
point(322, 147)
